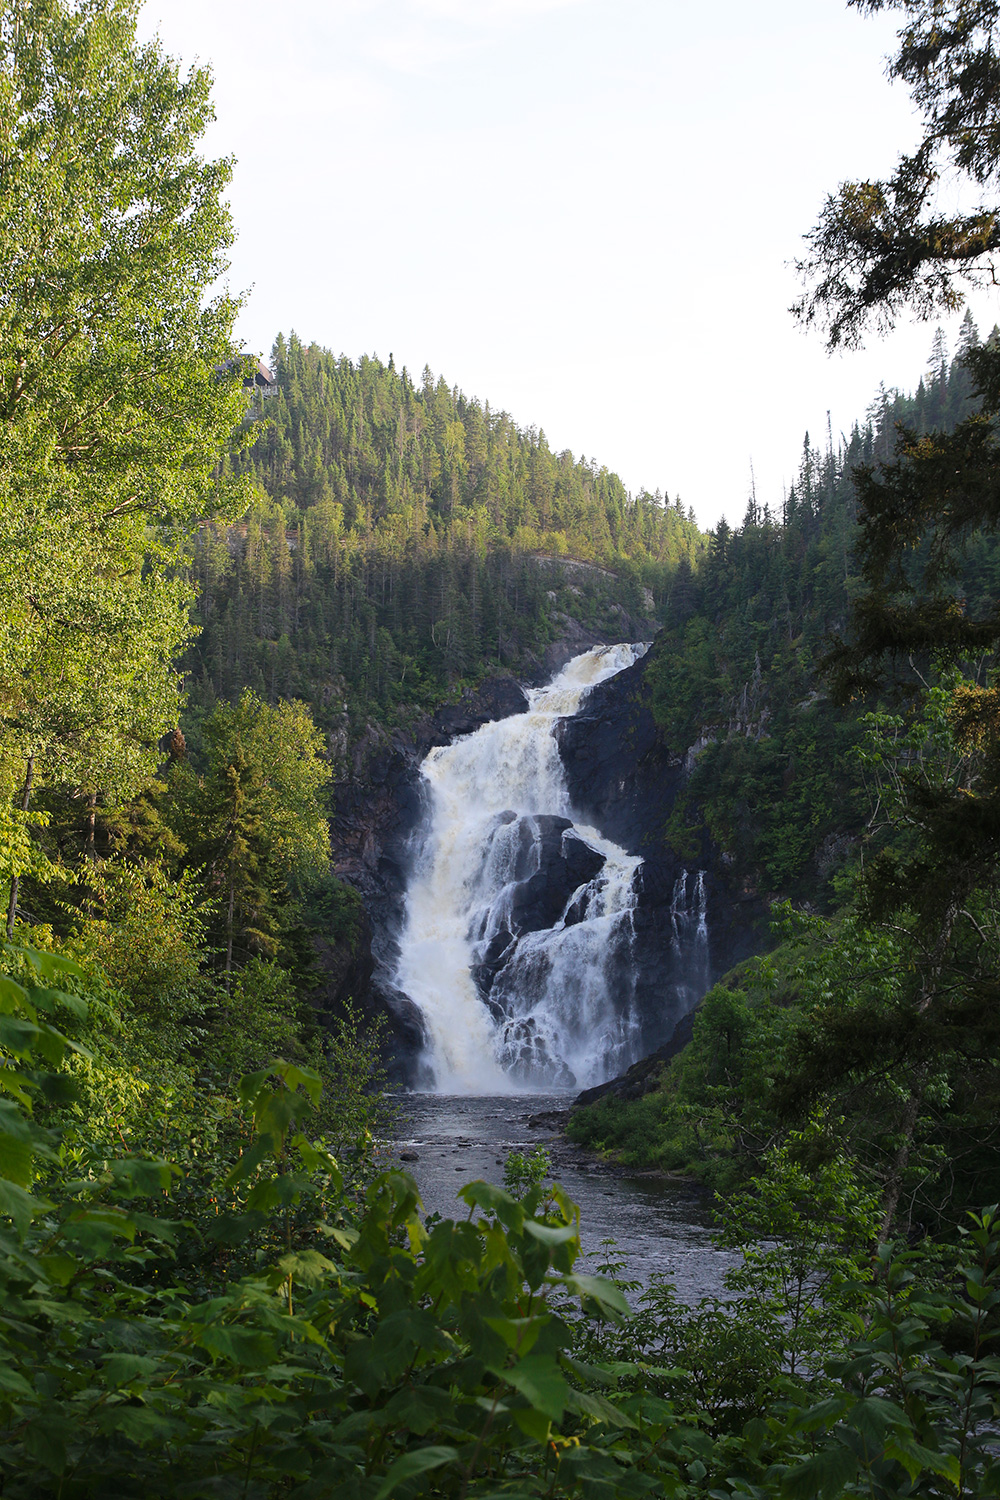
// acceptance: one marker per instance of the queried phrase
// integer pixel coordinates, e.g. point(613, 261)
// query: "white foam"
point(556, 1013)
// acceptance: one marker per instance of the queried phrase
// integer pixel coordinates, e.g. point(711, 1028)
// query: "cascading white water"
point(558, 1009)
point(689, 930)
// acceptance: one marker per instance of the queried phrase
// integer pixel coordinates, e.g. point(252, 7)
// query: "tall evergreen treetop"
point(882, 246)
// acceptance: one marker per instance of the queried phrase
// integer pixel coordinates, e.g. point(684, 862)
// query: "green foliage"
point(364, 1352)
point(711, 1112)
point(882, 246)
point(736, 675)
point(734, 686)
point(256, 1018)
point(805, 1228)
point(910, 1416)
point(146, 932)
point(405, 540)
point(524, 1170)
point(254, 825)
point(112, 231)
point(879, 247)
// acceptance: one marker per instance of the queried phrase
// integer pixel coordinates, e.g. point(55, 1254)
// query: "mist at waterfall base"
point(518, 944)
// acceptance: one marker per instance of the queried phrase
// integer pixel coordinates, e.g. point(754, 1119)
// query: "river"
point(659, 1229)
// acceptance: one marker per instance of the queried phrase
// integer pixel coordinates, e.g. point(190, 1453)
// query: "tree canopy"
point(881, 246)
point(112, 417)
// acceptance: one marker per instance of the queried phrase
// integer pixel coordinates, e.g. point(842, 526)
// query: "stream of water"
point(659, 1229)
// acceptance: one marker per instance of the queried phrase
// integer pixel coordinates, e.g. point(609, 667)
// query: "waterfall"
point(517, 938)
point(689, 932)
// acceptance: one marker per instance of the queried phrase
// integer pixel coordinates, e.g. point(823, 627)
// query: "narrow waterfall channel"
point(517, 940)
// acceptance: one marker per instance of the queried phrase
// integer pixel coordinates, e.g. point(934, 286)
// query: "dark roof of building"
point(260, 377)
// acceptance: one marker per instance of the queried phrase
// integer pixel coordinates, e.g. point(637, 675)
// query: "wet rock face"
point(625, 783)
point(551, 863)
point(378, 805)
point(496, 698)
point(565, 862)
point(619, 776)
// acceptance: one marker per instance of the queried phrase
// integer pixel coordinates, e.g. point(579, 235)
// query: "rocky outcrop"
point(641, 1078)
point(565, 862)
point(691, 923)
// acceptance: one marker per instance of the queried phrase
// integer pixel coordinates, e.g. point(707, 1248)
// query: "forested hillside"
point(827, 672)
point(404, 540)
point(736, 669)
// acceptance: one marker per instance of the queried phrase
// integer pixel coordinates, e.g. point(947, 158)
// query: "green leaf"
point(599, 1289)
point(592, 1404)
point(251, 1348)
point(916, 1460)
point(20, 1206)
point(144, 1177)
point(251, 1084)
point(129, 1369)
point(307, 1267)
point(16, 1158)
point(419, 1408)
point(420, 1461)
point(139, 1424)
point(59, 1268)
point(538, 1378)
point(13, 997)
point(46, 963)
point(51, 1000)
point(248, 1163)
point(59, 1088)
point(824, 1476)
point(297, 1075)
point(517, 1333)
point(13, 1382)
point(533, 1424)
point(873, 1416)
point(551, 1234)
point(17, 1035)
point(44, 1440)
point(494, 1201)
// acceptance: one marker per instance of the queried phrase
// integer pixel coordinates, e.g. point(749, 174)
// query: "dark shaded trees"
point(913, 628)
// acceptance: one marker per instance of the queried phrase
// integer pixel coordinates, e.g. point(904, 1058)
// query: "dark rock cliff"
point(690, 923)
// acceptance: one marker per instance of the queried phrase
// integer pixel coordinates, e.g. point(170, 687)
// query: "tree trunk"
point(901, 1160)
point(229, 927)
point(89, 854)
point(911, 1112)
point(15, 881)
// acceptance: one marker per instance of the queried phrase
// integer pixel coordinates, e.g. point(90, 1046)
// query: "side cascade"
point(517, 944)
point(689, 932)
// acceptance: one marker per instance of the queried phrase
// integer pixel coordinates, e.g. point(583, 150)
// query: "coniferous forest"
point(403, 540)
point(215, 1279)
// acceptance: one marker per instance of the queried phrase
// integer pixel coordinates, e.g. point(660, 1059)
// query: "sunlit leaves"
point(112, 420)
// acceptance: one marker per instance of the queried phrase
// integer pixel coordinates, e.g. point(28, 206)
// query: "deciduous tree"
point(112, 416)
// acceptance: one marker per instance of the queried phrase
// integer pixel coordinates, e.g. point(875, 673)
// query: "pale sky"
point(582, 211)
